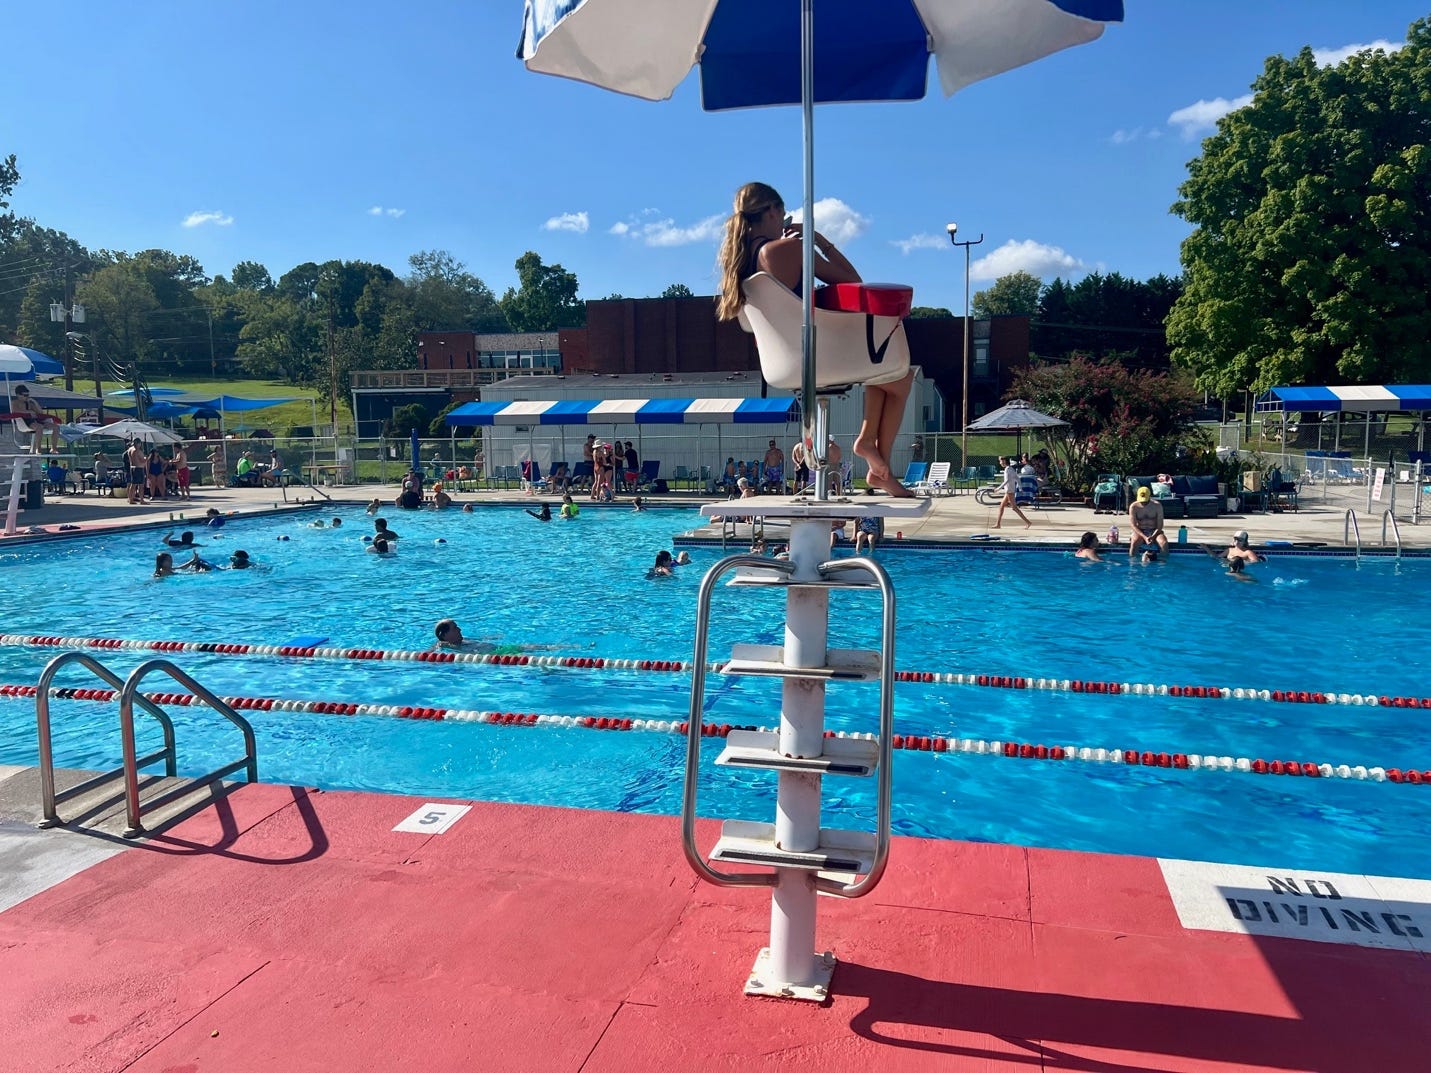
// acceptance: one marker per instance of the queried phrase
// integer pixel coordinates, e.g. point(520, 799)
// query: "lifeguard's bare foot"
point(891, 487)
point(879, 470)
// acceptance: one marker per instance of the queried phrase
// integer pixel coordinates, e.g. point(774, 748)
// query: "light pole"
point(953, 230)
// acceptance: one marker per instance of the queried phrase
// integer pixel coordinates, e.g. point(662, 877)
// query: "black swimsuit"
point(752, 262)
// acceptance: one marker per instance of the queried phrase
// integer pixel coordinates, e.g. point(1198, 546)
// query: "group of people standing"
point(611, 463)
point(149, 475)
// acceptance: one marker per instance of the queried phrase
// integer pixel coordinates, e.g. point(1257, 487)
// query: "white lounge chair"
point(935, 482)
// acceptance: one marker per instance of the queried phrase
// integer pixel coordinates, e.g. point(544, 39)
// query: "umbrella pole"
point(808, 424)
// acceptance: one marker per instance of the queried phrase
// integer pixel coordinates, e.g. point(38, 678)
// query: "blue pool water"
point(1307, 624)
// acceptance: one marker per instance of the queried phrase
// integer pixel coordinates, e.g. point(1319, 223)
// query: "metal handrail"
point(127, 696)
point(49, 799)
point(1350, 527)
point(693, 727)
point(884, 784)
point(885, 777)
point(1388, 515)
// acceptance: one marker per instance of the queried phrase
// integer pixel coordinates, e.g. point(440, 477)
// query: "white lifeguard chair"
point(853, 345)
point(793, 855)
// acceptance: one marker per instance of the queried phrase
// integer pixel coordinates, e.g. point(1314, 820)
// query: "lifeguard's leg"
point(867, 442)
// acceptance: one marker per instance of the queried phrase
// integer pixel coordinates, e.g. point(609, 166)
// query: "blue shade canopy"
point(627, 412)
point(1360, 398)
point(749, 50)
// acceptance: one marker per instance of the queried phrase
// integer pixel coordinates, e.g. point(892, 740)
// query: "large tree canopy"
point(1013, 295)
point(1311, 256)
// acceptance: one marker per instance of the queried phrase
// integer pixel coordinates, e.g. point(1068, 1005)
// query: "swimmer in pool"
point(1088, 548)
point(379, 546)
point(569, 510)
point(449, 636)
point(375, 506)
point(544, 514)
point(683, 558)
point(380, 529)
point(239, 560)
point(662, 566)
point(1236, 570)
point(186, 540)
point(336, 523)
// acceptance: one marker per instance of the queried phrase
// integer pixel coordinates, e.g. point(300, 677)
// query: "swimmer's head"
point(239, 560)
point(440, 540)
point(448, 632)
point(1150, 556)
point(466, 508)
point(1236, 566)
point(336, 522)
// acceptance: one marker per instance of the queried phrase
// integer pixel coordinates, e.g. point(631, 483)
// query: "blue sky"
point(317, 129)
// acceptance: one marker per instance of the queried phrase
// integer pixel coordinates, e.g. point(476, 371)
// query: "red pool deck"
point(291, 930)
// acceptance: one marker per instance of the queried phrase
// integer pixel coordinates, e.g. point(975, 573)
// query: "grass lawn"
point(278, 419)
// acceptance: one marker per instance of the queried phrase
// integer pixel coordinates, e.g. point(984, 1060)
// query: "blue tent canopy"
point(1361, 398)
point(627, 412)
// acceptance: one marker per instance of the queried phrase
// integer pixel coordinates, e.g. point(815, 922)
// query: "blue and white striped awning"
point(1362, 398)
point(627, 412)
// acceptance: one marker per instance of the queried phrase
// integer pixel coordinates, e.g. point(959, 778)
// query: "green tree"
point(1310, 258)
point(1014, 295)
point(677, 290)
point(546, 299)
point(251, 276)
point(9, 179)
point(929, 313)
point(1120, 420)
point(446, 297)
point(412, 415)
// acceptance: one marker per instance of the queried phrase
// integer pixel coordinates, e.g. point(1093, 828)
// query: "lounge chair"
point(1026, 491)
point(581, 476)
point(935, 482)
point(1105, 494)
point(650, 471)
point(914, 475)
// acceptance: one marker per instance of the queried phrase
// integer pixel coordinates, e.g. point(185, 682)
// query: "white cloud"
point(578, 222)
point(1124, 136)
point(836, 220)
point(1330, 57)
point(665, 231)
point(1028, 256)
point(378, 210)
point(198, 219)
point(921, 242)
point(1202, 117)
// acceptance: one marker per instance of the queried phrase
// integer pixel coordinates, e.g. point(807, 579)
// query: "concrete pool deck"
point(298, 930)
point(951, 518)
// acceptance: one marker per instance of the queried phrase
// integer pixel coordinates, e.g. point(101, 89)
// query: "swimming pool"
point(1307, 624)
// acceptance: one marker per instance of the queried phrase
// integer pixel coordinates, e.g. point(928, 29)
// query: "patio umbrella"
point(754, 52)
point(22, 363)
point(137, 430)
point(1014, 417)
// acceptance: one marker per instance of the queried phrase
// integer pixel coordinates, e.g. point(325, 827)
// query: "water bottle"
point(1182, 534)
point(1112, 534)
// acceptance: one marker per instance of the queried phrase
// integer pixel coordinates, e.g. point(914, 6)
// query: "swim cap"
point(1144, 494)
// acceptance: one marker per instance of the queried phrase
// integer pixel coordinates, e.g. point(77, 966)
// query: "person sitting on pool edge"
point(1145, 518)
point(1088, 548)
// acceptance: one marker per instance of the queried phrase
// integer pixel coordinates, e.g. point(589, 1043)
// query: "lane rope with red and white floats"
point(990, 681)
point(915, 743)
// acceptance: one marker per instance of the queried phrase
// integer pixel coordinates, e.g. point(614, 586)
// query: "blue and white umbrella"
point(762, 52)
point(22, 363)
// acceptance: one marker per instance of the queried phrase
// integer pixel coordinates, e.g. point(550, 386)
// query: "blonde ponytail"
point(751, 200)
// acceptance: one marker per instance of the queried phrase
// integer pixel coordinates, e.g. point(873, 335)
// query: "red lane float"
point(908, 742)
point(1066, 685)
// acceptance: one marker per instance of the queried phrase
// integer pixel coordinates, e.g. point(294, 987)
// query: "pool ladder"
point(806, 859)
point(129, 697)
point(1351, 530)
